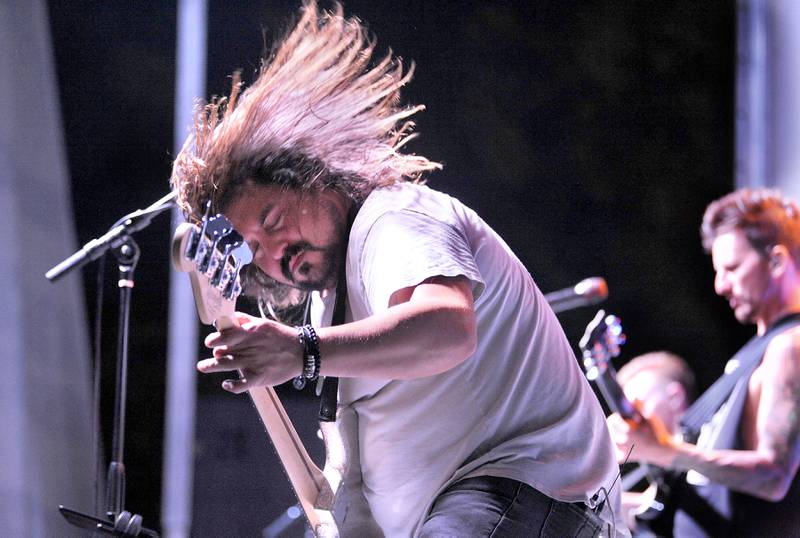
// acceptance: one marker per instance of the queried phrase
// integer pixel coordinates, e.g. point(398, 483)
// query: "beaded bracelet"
point(312, 359)
point(312, 349)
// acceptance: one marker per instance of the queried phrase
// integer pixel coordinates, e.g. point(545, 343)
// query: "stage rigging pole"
point(768, 95)
point(181, 396)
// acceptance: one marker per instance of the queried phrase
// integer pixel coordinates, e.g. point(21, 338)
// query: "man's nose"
point(721, 284)
point(273, 247)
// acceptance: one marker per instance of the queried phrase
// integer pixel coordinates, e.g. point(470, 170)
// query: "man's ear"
point(676, 396)
point(778, 257)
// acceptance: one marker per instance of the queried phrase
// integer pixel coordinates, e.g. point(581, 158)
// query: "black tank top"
point(751, 516)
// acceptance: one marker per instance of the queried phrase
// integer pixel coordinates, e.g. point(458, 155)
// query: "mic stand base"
point(126, 524)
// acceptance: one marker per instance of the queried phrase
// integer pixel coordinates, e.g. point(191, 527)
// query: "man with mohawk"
point(471, 415)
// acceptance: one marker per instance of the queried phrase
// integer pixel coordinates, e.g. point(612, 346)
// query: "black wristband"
point(311, 356)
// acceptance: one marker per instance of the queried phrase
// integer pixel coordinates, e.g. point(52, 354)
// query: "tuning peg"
point(217, 277)
point(234, 287)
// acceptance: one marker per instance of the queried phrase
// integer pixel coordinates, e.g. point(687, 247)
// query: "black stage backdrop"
point(591, 135)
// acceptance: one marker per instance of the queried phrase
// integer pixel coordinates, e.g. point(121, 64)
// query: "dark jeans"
point(498, 507)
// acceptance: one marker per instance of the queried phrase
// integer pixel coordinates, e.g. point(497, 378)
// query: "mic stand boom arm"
point(113, 238)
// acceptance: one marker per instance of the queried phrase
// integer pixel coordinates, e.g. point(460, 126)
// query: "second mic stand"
point(120, 522)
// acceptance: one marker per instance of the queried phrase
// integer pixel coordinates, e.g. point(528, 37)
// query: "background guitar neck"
point(613, 395)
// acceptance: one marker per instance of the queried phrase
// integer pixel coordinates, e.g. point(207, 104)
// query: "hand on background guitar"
point(636, 503)
point(265, 353)
point(647, 441)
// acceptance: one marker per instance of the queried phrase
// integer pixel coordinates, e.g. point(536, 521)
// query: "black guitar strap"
point(329, 396)
point(749, 357)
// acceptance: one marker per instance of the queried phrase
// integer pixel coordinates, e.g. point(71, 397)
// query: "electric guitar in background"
point(600, 343)
point(213, 255)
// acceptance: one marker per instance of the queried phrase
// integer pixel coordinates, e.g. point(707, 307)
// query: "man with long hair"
point(470, 414)
point(747, 424)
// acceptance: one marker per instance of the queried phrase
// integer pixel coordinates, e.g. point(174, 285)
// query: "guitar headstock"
point(213, 254)
point(600, 343)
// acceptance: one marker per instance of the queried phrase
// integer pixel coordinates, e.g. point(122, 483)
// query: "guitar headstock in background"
point(600, 343)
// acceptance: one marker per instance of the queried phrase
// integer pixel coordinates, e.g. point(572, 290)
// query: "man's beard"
point(322, 275)
point(326, 271)
point(258, 284)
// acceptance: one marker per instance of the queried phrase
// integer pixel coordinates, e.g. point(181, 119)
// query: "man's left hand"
point(265, 353)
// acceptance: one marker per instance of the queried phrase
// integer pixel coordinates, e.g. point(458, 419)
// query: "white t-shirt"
point(518, 408)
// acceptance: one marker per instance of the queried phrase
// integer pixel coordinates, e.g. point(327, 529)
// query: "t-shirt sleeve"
point(404, 248)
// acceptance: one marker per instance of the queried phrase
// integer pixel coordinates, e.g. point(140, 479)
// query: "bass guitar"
point(600, 343)
point(213, 255)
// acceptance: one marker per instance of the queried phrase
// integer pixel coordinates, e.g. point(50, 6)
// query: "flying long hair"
point(320, 115)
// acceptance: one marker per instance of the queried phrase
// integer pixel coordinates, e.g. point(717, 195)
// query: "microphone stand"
point(119, 522)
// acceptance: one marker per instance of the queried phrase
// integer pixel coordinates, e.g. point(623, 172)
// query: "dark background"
point(590, 135)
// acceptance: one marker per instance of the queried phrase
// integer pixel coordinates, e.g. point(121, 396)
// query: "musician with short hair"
point(747, 451)
point(469, 414)
point(661, 386)
point(661, 383)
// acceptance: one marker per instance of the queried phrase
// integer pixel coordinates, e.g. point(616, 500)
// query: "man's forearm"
point(404, 342)
point(747, 471)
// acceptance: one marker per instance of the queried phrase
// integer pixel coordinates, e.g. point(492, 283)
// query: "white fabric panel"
point(45, 388)
point(768, 96)
point(784, 110)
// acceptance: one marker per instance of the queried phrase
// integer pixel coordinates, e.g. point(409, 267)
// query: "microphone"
point(586, 292)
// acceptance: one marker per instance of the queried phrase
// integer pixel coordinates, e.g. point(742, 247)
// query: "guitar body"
point(209, 255)
point(655, 506)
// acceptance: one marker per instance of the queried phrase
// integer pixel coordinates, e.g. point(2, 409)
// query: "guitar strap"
point(748, 358)
point(329, 396)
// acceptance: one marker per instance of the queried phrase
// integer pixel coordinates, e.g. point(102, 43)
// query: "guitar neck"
point(614, 396)
point(618, 403)
point(213, 255)
point(310, 485)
